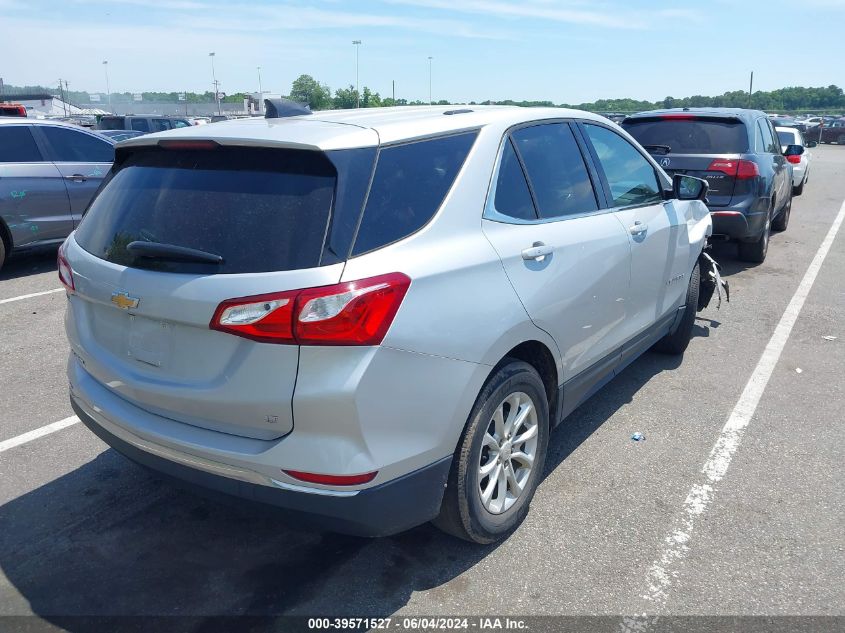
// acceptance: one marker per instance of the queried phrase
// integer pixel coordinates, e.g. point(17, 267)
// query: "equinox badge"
point(123, 301)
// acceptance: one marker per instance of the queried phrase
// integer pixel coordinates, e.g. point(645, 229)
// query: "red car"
point(829, 133)
point(12, 109)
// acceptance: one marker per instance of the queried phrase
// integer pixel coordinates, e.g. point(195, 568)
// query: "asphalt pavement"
point(84, 532)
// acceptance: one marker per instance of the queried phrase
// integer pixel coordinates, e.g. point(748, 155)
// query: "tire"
point(840, 140)
point(782, 221)
point(2, 252)
point(464, 513)
point(676, 342)
point(797, 191)
point(756, 251)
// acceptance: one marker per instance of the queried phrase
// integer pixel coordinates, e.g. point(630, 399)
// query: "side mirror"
point(689, 188)
point(793, 150)
point(811, 144)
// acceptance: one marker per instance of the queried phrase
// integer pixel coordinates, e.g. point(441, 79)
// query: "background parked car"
point(830, 132)
point(50, 172)
point(738, 153)
point(800, 162)
point(141, 123)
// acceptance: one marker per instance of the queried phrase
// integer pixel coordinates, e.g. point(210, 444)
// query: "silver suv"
point(373, 318)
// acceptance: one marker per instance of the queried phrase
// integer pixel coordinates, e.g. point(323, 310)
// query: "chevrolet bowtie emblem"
point(123, 301)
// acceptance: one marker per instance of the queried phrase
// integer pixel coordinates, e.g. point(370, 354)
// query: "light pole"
point(429, 79)
point(216, 91)
point(108, 90)
point(357, 44)
point(260, 92)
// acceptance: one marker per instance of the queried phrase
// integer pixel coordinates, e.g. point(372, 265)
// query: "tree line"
point(319, 96)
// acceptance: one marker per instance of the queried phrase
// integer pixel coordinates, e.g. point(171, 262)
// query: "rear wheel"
point(797, 191)
point(676, 342)
point(840, 140)
point(500, 457)
point(782, 221)
point(2, 253)
point(756, 251)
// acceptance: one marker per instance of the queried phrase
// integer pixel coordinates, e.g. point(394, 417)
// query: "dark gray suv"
point(739, 155)
point(49, 172)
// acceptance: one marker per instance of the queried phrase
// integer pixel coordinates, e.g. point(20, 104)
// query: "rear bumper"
point(388, 508)
point(743, 221)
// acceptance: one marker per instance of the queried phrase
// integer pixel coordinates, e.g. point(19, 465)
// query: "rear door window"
point(160, 125)
point(690, 136)
point(410, 183)
point(260, 209)
point(556, 170)
point(17, 145)
point(631, 178)
point(72, 146)
point(769, 145)
point(142, 125)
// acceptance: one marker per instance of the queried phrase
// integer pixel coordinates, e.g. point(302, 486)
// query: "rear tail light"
point(795, 160)
point(332, 480)
point(739, 169)
point(351, 313)
point(65, 272)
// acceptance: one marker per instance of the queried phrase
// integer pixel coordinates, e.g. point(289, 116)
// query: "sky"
point(566, 51)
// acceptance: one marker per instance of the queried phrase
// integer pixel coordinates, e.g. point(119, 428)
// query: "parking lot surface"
point(85, 532)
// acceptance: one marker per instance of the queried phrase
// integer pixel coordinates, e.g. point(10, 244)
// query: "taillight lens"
point(266, 318)
point(739, 169)
point(795, 160)
point(65, 272)
point(351, 313)
point(332, 480)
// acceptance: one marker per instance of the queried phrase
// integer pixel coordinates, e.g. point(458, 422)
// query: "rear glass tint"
point(112, 123)
point(691, 136)
point(409, 185)
point(262, 210)
point(787, 138)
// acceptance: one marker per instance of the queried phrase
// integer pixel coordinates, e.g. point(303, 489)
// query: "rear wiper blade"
point(158, 250)
point(665, 148)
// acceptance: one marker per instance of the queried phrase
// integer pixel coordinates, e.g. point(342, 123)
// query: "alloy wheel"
point(508, 452)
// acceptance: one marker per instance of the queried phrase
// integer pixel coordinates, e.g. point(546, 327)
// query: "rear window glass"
point(17, 145)
point(409, 185)
point(111, 123)
point(787, 138)
point(690, 136)
point(260, 209)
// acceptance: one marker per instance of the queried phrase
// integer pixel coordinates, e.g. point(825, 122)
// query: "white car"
point(800, 164)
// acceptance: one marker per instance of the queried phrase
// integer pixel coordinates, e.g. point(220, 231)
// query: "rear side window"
point(160, 125)
point(631, 178)
point(70, 146)
point(141, 125)
point(513, 197)
point(555, 169)
point(787, 138)
point(769, 144)
point(690, 136)
point(17, 145)
point(409, 185)
point(260, 209)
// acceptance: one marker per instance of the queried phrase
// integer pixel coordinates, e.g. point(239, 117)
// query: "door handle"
point(537, 252)
point(638, 229)
point(76, 178)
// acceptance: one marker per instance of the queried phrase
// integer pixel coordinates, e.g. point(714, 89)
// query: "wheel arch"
point(541, 358)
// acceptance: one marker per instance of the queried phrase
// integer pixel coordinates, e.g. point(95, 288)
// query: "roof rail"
point(460, 111)
point(280, 108)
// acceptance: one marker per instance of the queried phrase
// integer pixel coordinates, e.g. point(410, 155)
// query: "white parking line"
point(29, 296)
point(676, 544)
point(5, 445)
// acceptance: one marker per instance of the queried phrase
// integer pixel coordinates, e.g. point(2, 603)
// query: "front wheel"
point(756, 251)
point(676, 342)
point(782, 221)
point(500, 457)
